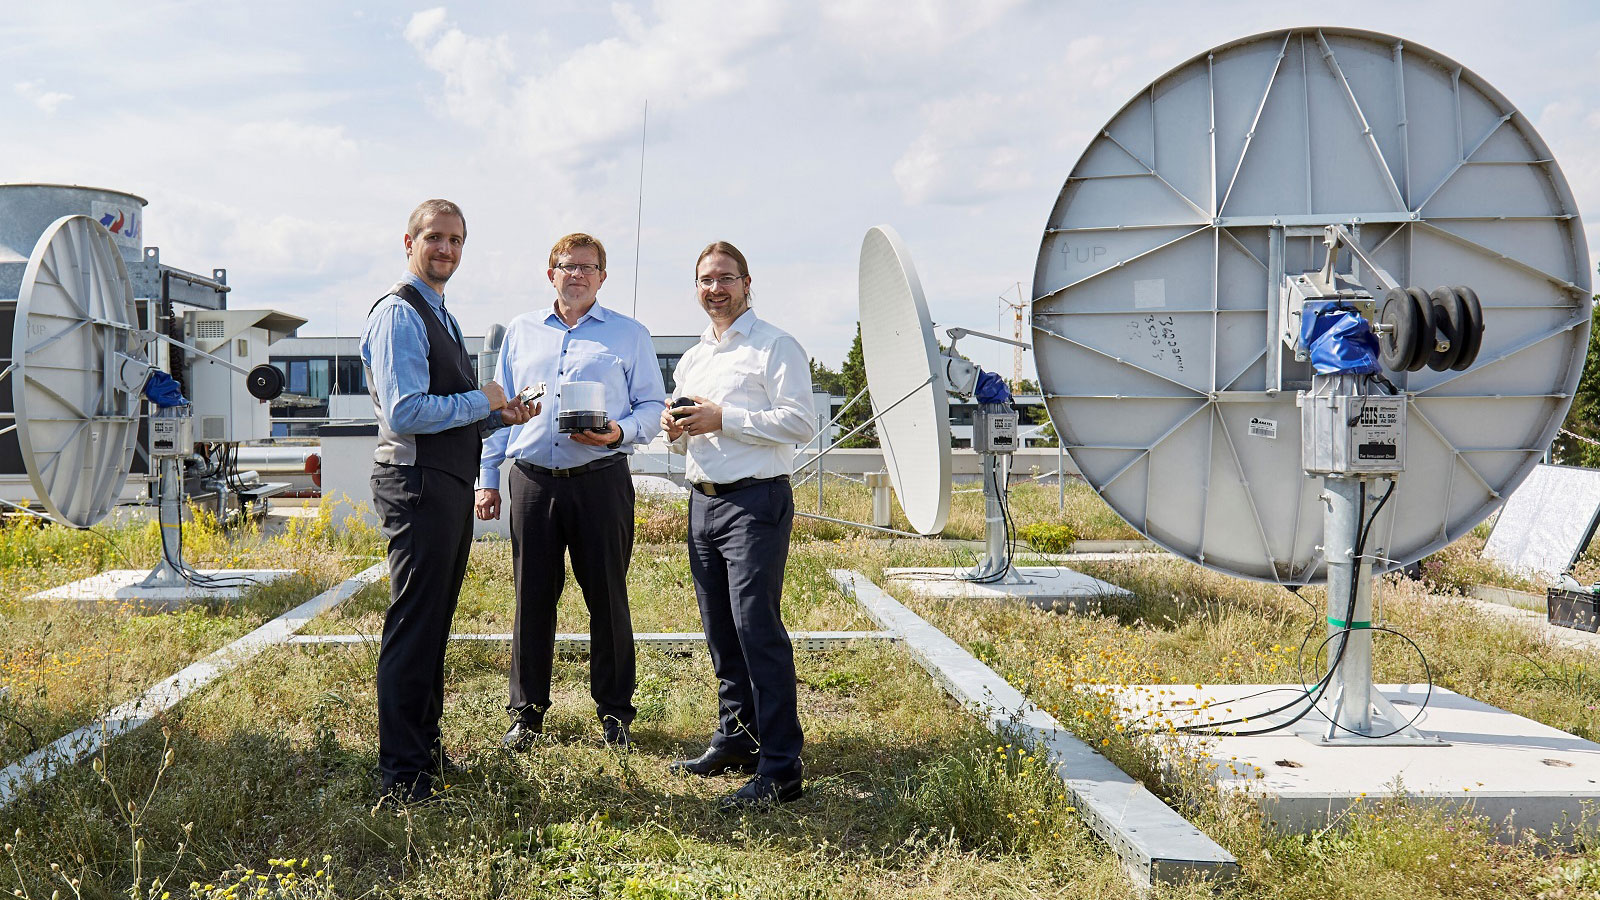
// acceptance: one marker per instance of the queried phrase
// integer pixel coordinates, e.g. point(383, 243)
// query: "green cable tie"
point(1337, 623)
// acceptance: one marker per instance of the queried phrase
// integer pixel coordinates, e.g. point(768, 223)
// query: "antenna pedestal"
point(995, 566)
point(169, 512)
point(1353, 437)
point(1356, 713)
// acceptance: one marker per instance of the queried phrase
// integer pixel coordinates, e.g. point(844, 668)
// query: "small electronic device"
point(531, 393)
point(583, 407)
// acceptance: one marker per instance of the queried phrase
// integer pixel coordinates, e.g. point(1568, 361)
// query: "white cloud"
point(297, 139)
point(1006, 138)
point(34, 92)
point(909, 28)
point(565, 108)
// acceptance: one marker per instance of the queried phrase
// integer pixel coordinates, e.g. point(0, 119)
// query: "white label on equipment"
point(1264, 428)
point(1151, 293)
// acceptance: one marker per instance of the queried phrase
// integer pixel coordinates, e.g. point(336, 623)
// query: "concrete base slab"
point(1048, 587)
point(1153, 841)
point(122, 586)
point(1514, 771)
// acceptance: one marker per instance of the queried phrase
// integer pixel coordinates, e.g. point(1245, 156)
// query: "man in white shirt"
point(751, 387)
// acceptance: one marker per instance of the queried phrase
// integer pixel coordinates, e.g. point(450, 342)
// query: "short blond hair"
point(427, 209)
point(572, 242)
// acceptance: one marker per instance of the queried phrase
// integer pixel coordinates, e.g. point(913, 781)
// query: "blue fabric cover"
point(162, 390)
point(1338, 339)
point(991, 388)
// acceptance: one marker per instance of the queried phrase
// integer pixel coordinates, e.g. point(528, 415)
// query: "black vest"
point(456, 450)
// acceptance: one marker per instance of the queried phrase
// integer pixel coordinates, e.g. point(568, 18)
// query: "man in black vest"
point(431, 421)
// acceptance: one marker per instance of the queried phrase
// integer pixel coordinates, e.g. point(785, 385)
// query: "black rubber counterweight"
point(264, 382)
point(1427, 329)
point(1450, 312)
point(1397, 341)
point(1473, 339)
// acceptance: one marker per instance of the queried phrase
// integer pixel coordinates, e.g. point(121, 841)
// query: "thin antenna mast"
point(644, 125)
point(1016, 334)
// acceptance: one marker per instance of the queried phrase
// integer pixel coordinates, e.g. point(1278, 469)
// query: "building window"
point(298, 376)
point(320, 377)
point(352, 378)
point(668, 365)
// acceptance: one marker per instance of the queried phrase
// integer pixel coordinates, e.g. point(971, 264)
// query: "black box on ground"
point(1572, 609)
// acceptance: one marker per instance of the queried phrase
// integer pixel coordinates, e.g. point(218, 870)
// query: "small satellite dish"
point(904, 379)
point(77, 370)
point(1159, 314)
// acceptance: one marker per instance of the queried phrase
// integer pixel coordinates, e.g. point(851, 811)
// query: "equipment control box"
point(994, 432)
point(1353, 434)
point(169, 436)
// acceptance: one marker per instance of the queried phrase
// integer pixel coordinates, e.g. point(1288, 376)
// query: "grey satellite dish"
point(1159, 295)
point(908, 397)
point(77, 370)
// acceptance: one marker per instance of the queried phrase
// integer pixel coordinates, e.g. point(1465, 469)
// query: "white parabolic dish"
point(1161, 264)
point(905, 380)
point(75, 313)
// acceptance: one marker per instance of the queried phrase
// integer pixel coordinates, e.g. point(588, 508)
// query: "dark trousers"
point(589, 516)
point(427, 517)
point(738, 547)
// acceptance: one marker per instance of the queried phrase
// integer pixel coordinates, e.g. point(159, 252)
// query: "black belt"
point(716, 490)
point(592, 465)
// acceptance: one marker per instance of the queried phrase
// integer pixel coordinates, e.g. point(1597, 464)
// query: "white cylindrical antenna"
point(583, 407)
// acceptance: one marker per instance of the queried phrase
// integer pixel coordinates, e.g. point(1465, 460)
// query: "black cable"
point(1360, 549)
point(189, 574)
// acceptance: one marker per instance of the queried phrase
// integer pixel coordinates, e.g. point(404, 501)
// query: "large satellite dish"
point(76, 350)
point(908, 398)
point(1157, 295)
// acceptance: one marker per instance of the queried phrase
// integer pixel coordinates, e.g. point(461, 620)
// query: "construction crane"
point(1018, 310)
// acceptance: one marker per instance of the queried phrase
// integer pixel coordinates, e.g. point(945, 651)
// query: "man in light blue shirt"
point(573, 492)
point(431, 420)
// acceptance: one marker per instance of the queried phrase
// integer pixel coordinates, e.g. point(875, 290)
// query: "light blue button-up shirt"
point(394, 349)
point(605, 346)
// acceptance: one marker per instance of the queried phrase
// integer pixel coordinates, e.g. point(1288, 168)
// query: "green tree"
point(1583, 418)
point(853, 380)
point(825, 379)
point(1038, 415)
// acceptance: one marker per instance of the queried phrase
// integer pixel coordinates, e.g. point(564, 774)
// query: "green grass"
point(62, 664)
point(907, 795)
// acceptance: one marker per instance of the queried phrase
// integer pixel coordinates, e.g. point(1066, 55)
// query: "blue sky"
point(288, 141)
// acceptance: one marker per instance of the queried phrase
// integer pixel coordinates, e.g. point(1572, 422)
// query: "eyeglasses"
point(575, 268)
point(725, 281)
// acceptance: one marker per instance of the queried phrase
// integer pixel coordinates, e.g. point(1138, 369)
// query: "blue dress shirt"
point(605, 346)
point(395, 349)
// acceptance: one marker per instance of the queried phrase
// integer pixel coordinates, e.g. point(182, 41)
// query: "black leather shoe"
point(763, 790)
point(525, 731)
point(616, 732)
point(447, 767)
point(407, 794)
point(716, 761)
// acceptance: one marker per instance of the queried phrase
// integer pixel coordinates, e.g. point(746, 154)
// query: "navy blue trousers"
point(738, 547)
point(427, 516)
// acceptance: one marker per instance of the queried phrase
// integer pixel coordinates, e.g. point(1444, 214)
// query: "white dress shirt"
point(761, 377)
